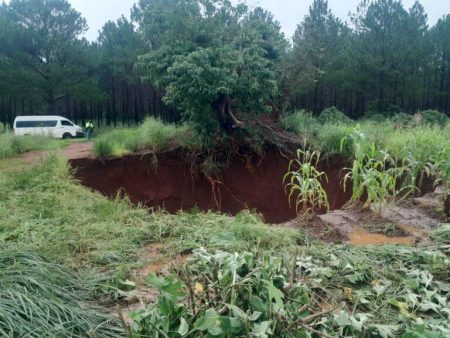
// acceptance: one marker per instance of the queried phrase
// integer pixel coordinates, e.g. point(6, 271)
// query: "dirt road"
point(74, 151)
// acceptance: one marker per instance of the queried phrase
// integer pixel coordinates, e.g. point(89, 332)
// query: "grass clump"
point(320, 136)
point(153, 135)
point(43, 299)
point(11, 145)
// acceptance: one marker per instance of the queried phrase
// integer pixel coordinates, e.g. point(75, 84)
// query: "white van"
point(52, 126)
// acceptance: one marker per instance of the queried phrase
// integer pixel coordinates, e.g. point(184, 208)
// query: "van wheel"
point(67, 136)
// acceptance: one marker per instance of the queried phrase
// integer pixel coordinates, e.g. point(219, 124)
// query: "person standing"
point(89, 130)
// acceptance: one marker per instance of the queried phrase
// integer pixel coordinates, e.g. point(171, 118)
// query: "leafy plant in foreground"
point(303, 180)
point(322, 292)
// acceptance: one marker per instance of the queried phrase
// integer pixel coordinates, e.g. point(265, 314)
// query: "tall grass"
point(153, 135)
point(11, 145)
point(418, 141)
point(43, 299)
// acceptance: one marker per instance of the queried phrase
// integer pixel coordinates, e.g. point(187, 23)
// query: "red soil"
point(174, 185)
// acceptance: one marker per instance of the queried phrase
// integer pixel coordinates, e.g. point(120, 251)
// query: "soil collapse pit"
point(174, 185)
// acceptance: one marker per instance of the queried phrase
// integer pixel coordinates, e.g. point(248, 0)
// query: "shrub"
point(433, 118)
point(402, 120)
point(374, 116)
point(333, 115)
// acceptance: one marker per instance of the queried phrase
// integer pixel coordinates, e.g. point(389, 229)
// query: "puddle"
point(157, 262)
point(361, 237)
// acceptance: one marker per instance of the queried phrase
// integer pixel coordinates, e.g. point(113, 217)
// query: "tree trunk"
point(225, 116)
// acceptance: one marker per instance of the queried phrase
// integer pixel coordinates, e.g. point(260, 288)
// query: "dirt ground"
point(74, 151)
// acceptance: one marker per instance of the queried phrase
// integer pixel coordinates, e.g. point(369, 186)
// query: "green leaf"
point(231, 325)
point(342, 319)
point(402, 307)
point(155, 281)
point(209, 321)
point(257, 304)
point(169, 285)
point(261, 329)
point(184, 327)
point(275, 294)
point(386, 331)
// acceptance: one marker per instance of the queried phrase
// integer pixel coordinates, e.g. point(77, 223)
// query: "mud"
point(174, 184)
point(361, 237)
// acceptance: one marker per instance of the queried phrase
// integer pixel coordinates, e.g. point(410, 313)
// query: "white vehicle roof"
point(39, 118)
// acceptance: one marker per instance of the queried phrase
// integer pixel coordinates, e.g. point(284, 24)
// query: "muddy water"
point(360, 237)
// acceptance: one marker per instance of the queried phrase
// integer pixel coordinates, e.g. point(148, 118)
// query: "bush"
point(402, 120)
point(433, 118)
point(334, 116)
point(374, 116)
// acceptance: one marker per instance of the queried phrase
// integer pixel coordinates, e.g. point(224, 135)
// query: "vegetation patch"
point(11, 145)
point(153, 135)
point(43, 299)
point(317, 291)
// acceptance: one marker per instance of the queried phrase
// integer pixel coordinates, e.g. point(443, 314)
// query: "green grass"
point(44, 210)
point(45, 213)
point(153, 135)
point(43, 299)
point(418, 141)
point(11, 145)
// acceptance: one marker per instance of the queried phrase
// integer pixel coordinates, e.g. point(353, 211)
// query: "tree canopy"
point(219, 64)
point(212, 59)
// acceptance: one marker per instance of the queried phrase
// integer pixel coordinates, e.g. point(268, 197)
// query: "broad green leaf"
point(208, 321)
point(258, 305)
point(262, 329)
point(275, 294)
point(386, 331)
point(184, 327)
point(402, 307)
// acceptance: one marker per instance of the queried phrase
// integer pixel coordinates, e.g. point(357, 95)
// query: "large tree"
point(214, 60)
point(40, 47)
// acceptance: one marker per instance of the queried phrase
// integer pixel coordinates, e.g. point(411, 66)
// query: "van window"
point(66, 123)
point(36, 124)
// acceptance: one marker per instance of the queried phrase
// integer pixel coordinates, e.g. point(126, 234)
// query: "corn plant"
point(303, 181)
point(439, 167)
point(375, 174)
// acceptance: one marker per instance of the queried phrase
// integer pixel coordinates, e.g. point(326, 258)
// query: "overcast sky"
point(288, 12)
